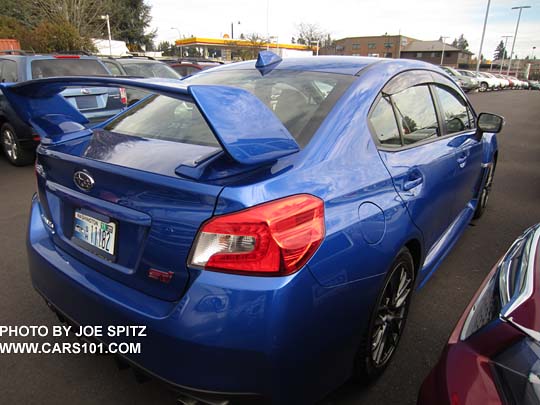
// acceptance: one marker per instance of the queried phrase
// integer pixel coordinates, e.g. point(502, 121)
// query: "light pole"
point(520, 8)
point(443, 45)
point(106, 17)
point(482, 40)
point(504, 51)
point(232, 29)
point(179, 37)
point(532, 55)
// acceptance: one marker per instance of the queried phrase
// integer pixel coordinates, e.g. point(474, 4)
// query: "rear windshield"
point(42, 68)
point(150, 70)
point(165, 118)
point(301, 100)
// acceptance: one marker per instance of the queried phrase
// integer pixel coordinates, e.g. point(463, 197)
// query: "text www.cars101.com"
point(70, 348)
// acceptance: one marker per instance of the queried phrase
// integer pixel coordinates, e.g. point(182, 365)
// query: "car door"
point(458, 125)
point(421, 163)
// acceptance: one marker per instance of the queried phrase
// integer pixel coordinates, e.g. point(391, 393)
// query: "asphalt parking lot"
point(86, 379)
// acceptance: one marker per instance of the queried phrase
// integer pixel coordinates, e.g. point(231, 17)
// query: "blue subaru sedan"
point(266, 221)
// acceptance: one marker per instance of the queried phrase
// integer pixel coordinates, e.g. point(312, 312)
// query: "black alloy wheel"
point(387, 320)
point(15, 154)
point(484, 194)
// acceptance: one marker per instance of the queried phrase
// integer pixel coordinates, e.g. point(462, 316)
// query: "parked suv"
point(139, 66)
point(97, 104)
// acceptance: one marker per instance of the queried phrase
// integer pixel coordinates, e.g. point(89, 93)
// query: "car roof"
point(48, 56)
point(347, 65)
point(132, 60)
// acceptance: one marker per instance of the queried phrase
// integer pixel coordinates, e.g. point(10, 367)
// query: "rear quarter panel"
point(366, 225)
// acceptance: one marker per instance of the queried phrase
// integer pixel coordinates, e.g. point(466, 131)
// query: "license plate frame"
point(82, 235)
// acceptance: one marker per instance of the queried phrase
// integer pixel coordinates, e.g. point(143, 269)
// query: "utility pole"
point(443, 45)
point(504, 51)
point(232, 29)
point(482, 40)
point(520, 8)
point(106, 17)
point(179, 37)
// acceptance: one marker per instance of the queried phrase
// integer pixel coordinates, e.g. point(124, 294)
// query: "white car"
point(505, 82)
point(488, 82)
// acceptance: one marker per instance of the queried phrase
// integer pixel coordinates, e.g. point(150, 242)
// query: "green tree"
point(58, 36)
point(129, 21)
point(461, 43)
point(500, 52)
point(24, 11)
point(12, 28)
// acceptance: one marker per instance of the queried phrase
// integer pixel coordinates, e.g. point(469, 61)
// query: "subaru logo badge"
point(85, 91)
point(83, 180)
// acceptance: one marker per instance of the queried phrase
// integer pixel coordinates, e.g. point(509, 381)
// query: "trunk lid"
point(156, 213)
point(128, 198)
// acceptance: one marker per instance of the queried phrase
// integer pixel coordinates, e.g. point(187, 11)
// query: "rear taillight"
point(123, 95)
point(67, 56)
point(275, 238)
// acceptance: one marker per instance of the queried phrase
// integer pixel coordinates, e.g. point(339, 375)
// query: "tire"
point(15, 154)
point(484, 86)
point(484, 194)
point(374, 353)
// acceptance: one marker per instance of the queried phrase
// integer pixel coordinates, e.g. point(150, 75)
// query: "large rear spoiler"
point(246, 129)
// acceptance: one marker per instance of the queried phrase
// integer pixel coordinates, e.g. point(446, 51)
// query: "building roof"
point(431, 46)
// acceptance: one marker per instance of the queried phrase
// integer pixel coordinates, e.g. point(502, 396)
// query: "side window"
point(455, 111)
point(416, 113)
point(9, 71)
point(384, 123)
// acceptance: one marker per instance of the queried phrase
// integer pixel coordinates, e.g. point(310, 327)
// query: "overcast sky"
point(421, 19)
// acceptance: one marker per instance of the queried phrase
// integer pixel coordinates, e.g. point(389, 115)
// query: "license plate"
point(95, 232)
point(86, 102)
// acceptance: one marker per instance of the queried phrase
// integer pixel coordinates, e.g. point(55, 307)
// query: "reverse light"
point(123, 95)
point(274, 238)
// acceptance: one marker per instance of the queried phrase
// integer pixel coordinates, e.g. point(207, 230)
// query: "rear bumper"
point(229, 334)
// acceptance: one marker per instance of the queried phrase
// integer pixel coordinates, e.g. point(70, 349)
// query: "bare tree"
point(309, 33)
point(84, 15)
point(256, 43)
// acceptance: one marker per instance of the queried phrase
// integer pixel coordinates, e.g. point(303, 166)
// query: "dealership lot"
point(89, 379)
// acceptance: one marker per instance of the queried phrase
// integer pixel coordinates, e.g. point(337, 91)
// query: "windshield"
point(301, 100)
point(42, 68)
point(149, 69)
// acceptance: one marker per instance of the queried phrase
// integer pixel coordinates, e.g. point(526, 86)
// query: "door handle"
point(410, 184)
point(462, 157)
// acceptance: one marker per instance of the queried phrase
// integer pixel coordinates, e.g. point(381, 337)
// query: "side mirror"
point(488, 122)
